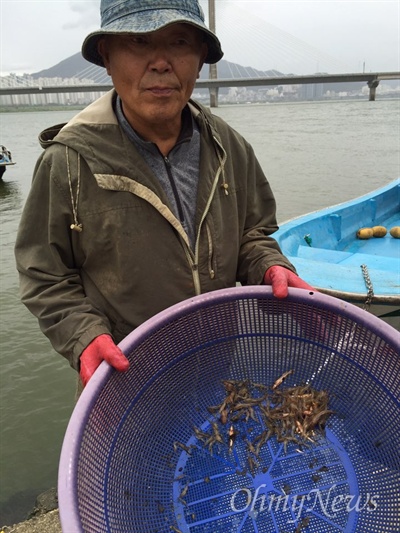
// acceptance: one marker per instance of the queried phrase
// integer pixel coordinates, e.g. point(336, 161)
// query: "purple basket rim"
point(67, 474)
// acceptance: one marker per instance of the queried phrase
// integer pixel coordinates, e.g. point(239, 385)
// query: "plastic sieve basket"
point(120, 472)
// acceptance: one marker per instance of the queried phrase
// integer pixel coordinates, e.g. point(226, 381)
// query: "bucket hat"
point(144, 16)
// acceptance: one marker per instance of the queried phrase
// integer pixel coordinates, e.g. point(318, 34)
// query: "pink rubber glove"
point(102, 348)
point(281, 278)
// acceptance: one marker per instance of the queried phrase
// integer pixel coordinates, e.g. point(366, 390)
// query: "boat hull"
point(5, 159)
point(326, 252)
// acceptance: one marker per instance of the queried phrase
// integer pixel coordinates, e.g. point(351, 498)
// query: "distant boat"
point(324, 248)
point(5, 160)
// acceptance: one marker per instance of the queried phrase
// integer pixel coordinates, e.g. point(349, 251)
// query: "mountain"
point(77, 66)
point(68, 68)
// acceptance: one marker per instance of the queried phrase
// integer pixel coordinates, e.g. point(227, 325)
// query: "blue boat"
point(324, 248)
point(5, 159)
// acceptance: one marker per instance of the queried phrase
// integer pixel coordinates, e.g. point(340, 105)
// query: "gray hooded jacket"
point(99, 249)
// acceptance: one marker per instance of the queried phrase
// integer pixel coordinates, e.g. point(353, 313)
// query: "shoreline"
point(39, 109)
point(44, 517)
point(45, 523)
point(79, 107)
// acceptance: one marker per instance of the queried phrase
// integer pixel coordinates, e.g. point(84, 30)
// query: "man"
point(143, 199)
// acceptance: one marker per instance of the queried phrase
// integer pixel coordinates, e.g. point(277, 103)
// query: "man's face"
point(154, 73)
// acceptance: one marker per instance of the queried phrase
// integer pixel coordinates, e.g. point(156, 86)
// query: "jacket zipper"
point(174, 189)
point(196, 277)
point(188, 252)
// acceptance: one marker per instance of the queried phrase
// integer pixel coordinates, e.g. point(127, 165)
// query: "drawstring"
point(74, 201)
point(211, 271)
point(224, 185)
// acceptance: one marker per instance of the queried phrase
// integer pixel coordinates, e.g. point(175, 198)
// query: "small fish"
point(184, 491)
point(181, 445)
point(313, 463)
point(200, 435)
point(281, 379)
point(250, 447)
point(216, 433)
point(229, 385)
point(305, 522)
point(260, 386)
point(160, 506)
point(224, 416)
point(320, 418)
point(231, 437)
point(175, 529)
point(262, 439)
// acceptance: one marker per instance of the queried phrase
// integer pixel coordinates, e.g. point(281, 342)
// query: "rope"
point(74, 201)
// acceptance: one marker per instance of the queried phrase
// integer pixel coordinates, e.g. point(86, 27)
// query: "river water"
point(315, 154)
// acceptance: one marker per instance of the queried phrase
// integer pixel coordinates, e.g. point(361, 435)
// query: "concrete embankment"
point(44, 518)
point(45, 523)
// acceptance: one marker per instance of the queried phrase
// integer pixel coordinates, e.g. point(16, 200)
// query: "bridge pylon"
point(213, 74)
point(372, 84)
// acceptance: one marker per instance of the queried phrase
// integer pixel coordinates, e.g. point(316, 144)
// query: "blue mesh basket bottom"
point(213, 488)
point(130, 478)
point(343, 483)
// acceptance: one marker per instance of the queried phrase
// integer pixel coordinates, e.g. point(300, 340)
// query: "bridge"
point(371, 78)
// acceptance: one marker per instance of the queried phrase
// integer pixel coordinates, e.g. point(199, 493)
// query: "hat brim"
point(145, 24)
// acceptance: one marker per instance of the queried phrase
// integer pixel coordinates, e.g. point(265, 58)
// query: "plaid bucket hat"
point(144, 16)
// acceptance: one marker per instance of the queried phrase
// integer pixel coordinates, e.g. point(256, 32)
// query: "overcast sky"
point(292, 36)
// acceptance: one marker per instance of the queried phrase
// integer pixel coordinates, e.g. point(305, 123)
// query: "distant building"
point(45, 99)
point(311, 91)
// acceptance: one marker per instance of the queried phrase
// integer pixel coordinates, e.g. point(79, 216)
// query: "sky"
point(292, 36)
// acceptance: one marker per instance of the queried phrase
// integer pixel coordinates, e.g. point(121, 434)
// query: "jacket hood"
point(97, 136)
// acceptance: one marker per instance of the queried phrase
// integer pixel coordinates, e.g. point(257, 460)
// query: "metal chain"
point(368, 284)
